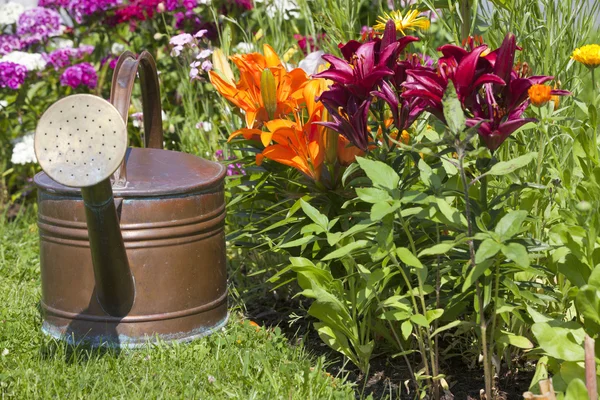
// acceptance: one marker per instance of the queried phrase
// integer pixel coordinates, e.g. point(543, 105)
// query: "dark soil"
point(387, 377)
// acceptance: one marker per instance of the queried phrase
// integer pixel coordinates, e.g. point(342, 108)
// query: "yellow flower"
point(588, 55)
point(539, 94)
point(410, 21)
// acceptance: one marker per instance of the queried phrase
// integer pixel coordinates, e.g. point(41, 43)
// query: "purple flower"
point(53, 3)
point(12, 75)
point(77, 75)
point(189, 4)
point(9, 43)
point(62, 58)
point(37, 24)
point(82, 8)
point(84, 49)
point(206, 65)
point(233, 168)
point(171, 5)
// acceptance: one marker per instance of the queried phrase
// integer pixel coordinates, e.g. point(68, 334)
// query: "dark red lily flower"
point(500, 108)
point(365, 65)
point(463, 68)
point(404, 111)
point(349, 115)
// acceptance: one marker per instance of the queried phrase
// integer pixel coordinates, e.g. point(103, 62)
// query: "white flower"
point(311, 63)
point(243, 48)
point(288, 8)
point(204, 54)
point(117, 48)
point(10, 12)
point(205, 2)
point(201, 33)
point(3, 104)
point(63, 43)
point(23, 152)
point(204, 125)
point(31, 61)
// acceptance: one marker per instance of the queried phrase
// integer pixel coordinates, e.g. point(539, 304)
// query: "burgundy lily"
point(500, 109)
point(349, 115)
point(463, 68)
point(365, 65)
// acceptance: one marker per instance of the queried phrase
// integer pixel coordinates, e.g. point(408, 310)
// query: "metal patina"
point(136, 256)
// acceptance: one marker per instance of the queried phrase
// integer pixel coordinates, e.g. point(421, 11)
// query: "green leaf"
point(420, 319)
point(395, 315)
point(451, 213)
point(510, 224)
point(379, 173)
point(298, 242)
point(406, 329)
point(336, 340)
point(475, 273)
point(587, 302)
point(446, 327)
point(506, 167)
point(440, 248)
point(559, 341)
point(576, 390)
point(380, 210)
point(515, 340)
point(314, 214)
point(409, 259)
point(428, 177)
point(372, 195)
point(347, 249)
point(487, 249)
point(453, 112)
point(432, 315)
point(517, 253)
point(594, 279)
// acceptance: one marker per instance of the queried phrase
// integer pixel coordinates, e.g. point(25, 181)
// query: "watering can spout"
point(114, 282)
point(80, 141)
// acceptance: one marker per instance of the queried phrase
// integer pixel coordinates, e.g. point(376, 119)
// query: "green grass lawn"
point(240, 361)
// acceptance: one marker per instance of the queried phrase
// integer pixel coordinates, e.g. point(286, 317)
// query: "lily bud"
point(221, 65)
point(330, 141)
point(268, 92)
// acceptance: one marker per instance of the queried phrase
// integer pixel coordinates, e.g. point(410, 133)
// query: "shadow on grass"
point(76, 346)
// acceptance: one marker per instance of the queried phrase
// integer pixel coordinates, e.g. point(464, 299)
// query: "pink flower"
point(12, 75)
point(37, 24)
point(78, 75)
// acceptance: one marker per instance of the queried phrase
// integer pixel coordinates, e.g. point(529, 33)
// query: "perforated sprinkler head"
point(80, 140)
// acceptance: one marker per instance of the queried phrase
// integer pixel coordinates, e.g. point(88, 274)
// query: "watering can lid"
point(155, 173)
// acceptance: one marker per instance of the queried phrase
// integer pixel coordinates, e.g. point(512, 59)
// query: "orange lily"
point(265, 90)
point(302, 145)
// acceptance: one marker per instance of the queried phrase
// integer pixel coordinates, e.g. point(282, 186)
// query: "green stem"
point(432, 358)
point(482, 324)
point(483, 193)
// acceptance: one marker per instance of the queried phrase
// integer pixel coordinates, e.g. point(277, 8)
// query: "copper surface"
point(169, 222)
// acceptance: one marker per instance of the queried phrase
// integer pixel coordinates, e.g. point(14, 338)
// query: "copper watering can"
point(132, 241)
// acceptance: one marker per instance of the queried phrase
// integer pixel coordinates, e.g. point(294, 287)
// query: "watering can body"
point(170, 212)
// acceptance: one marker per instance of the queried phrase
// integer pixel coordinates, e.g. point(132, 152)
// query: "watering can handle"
point(120, 96)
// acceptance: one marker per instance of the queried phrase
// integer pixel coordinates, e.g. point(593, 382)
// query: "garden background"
point(413, 193)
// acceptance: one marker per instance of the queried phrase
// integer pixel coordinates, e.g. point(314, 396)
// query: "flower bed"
point(432, 193)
